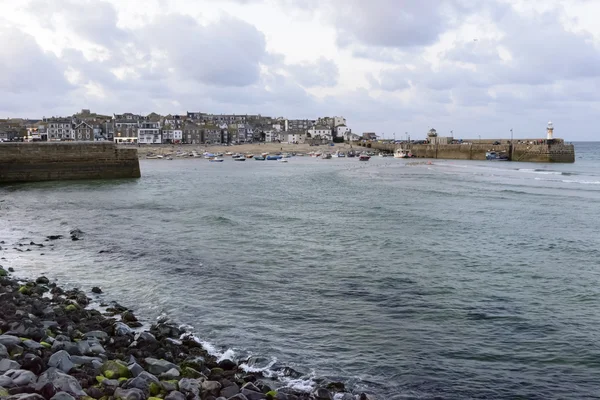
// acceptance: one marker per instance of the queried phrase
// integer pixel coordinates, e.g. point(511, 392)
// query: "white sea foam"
point(229, 354)
point(266, 369)
point(303, 385)
point(537, 171)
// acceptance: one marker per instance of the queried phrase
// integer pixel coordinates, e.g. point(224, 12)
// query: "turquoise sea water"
point(460, 279)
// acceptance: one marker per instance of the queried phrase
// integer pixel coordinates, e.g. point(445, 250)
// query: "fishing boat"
point(155, 157)
point(496, 156)
point(237, 155)
point(400, 153)
point(273, 157)
point(209, 155)
point(229, 153)
point(259, 158)
point(249, 155)
point(239, 159)
point(338, 154)
point(326, 156)
point(216, 159)
point(219, 154)
point(283, 160)
point(364, 157)
point(286, 155)
point(384, 155)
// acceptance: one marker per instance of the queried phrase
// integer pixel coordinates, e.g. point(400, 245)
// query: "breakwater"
point(31, 162)
point(555, 151)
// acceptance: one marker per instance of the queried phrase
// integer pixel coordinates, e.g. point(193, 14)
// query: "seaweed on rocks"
point(54, 348)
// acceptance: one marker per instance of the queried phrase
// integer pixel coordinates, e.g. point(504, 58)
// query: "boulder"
point(252, 395)
point(96, 290)
point(3, 351)
point(115, 369)
point(170, 374)
point(322, 394)
point(42, 280)
point(212, 387)
point(142, 382)
point(157, 367)
point(32, 345)
point(21, 377)
point(62, 396)
point(227, 365)
point(54, 381)
point(100, 335)
point(189, 387)
point(25, 396)
point(87, 361)
point(189, 372)
point(175, 396)
point(128, 316)
point(145, 337)
point(33, 363)
point(238, 396)
point(9, 341)
point(135, 369)
point(129, 394)
point(61, 360)
point(8, 364)
point(364, 396)
point(122, 329)
point(169, 386)
point(90, 347)
point(5, 381)
point(68, 346)
point(229, 391)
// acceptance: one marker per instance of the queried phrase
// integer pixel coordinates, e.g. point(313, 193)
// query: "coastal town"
point(190, 128)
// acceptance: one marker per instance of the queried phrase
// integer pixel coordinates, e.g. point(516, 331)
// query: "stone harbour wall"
point(559, 152)
point(32, 162)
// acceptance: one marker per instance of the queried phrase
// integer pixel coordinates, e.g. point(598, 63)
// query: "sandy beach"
point(254, 148)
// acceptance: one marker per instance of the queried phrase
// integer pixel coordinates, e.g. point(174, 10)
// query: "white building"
point(149, 133)
point(60, 129)
point(352, 137)
point(296, 137)
point(342, 131)
point(337, 121)
point(319, 131)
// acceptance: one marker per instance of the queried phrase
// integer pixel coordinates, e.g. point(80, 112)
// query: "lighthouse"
point(549, 130)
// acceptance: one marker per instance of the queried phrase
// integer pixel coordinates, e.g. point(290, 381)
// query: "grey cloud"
point(322, 72)
point(225, 53)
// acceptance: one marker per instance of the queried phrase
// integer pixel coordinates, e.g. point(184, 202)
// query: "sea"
point(405, 279)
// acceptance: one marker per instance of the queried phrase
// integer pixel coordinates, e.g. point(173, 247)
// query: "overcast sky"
point(391, 66)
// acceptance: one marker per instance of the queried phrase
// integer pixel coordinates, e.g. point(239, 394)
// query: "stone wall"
point(31, 162)
point(558, 152)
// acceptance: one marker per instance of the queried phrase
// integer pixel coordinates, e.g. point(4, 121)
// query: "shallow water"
point(460, 279)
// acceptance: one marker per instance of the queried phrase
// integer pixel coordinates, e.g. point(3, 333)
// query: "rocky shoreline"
point(53, 347)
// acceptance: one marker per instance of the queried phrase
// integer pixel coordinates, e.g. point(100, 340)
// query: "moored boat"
point(496, 156)
point(215, 159)
point(249, 155)
point(364, 157)
point(283, 160)
point(273, 157)
point(259, 158)
point(326, 156)
point(400, 153)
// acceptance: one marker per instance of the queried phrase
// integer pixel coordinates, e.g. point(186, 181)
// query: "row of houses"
point(192, 128)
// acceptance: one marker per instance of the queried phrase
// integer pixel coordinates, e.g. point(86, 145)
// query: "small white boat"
point(155, 157)
point(326, 156)
point(282, 160)
point(229, 153)
point(215, 159)
point(400, 154)
point(239, 159)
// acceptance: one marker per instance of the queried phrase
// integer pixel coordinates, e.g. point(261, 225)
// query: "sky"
point(467, 68)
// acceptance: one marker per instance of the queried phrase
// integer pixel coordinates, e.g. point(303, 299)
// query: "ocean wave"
point(544, 171)
point(582, 182)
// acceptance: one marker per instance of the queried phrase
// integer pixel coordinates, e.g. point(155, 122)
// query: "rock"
point(145, 337)
point(21, 377)
point(364, 396)
point(135, 369)
point(32, 345)
point(189, 372)
point(229, 391)
point(76, 234)
point(322, 394)
point(115, 369)
point(3, 272)
point(54, 237)
point(336, 386)
point(122, 329)
point(3, 351)
point(238, 396)
point(33, 363)
point(42, 280)
point(26, 396)
point(95, 393)
point(11, 269)
point(212, 387)
point(9, 341)
point(5, 381)
point(252, 395)
point(142, 382)
point(128, 316)
point(227, 365)
point(175, 396)
point(189, 387)
point(129, 394)
point(61, 360)
point(54, 381)
point(3, 392)
point(96, 290)
point(90, 347)
point(62, 396)
point(170, 374)
point(100, 335)
point(84, 360)
point(169, 386)
point(157, 367)
point(347, 396)
point(69, 347)
point(8, 364)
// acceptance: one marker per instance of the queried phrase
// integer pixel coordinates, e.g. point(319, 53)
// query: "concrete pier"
point(31, 162)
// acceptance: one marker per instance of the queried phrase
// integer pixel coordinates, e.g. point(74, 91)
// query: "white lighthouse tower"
point(549, 130)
